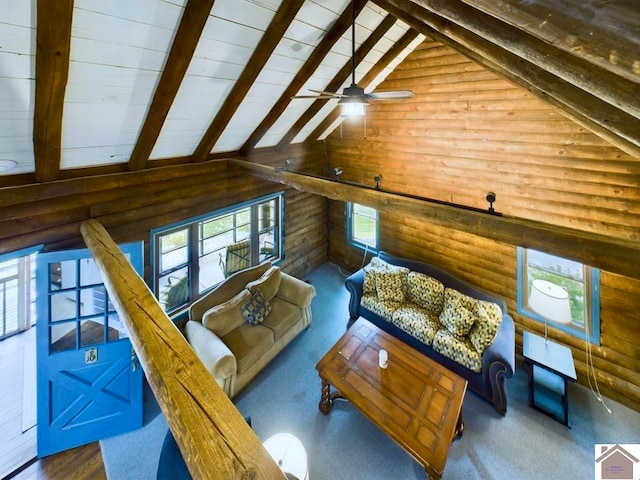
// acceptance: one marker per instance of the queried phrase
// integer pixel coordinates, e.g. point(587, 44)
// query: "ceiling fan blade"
point(323, 92)
point(315, 96)
point(395, 95)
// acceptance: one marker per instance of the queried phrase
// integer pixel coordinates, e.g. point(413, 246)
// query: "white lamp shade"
point(550, 301)
point(353, 109)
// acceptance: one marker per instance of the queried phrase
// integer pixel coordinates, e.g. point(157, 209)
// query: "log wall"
point(131, 204)
point(468, 133)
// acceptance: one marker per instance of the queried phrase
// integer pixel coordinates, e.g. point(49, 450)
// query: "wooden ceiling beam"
point(605, 34)
point(337, 81)
point(617, 91)
point(268, 43)
point(310, 66)
point(609, 122)
point(610, 254)
point(53, 47)
point(371, 75)
point(192, 23)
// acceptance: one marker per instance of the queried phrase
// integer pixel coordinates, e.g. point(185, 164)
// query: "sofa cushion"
point(416, 321)
point(256, 309)
point(425, 291)
point(384, 308)
point(458, 349)
point(282, 317)
point(458, 313)
point(268, 283)
point(248, 343)
point(488, 321)
point(223, 318)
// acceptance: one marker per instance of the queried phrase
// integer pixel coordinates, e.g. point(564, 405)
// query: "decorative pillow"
point(390, 285)
point(255, 311)
point(458, 313)
point(268, 283)
point(223, 318)
point(375, 265)
point(425, 291)
point(488, 321)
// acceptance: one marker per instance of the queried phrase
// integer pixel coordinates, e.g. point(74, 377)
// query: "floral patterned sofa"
point(449, 320)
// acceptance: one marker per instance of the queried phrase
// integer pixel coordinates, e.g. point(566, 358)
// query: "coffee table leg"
point(326, 402)
point(459, 428)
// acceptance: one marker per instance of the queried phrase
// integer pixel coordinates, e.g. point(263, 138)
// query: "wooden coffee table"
point(415, 401)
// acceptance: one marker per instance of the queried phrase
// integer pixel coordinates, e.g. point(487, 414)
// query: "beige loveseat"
point(235, 350)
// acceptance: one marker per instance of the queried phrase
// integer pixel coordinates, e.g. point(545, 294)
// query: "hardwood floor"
point(81, 463)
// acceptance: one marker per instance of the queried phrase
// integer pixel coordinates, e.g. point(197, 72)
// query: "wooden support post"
point(214, 438)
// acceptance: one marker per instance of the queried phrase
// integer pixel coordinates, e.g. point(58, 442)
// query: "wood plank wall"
point(130, 205)
point(467, 133)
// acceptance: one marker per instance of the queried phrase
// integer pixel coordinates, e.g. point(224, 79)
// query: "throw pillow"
point(223, 318)
point(374, 266)
point(268, 283)
point(390, 285)
point(426, 291)
point(488, 321)
point(457, 315)
point(255, 311)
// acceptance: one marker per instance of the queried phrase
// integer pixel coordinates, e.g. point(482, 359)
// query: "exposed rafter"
point(53, 40)
point(611, 254)
point(281, 21)
point(310, 66)
point(193, 20)
point(615, 125)
point(337, 81)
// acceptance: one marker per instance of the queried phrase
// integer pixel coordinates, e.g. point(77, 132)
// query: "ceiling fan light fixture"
point(353, 101)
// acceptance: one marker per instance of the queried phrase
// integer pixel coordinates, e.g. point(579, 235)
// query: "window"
point(362, 227)
point(17, 291)
point(580, 281)
point(192, 257)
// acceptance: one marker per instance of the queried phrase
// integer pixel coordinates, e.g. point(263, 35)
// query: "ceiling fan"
point(353, 98)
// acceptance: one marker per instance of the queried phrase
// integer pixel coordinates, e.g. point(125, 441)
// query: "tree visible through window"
point(580, 281)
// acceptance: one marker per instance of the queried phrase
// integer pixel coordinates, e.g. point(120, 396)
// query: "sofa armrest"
point(354, 284)
point(499, 363)
point(295, 291)
point(214, 354)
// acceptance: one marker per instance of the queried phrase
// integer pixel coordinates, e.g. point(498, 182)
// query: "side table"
point(551, 366)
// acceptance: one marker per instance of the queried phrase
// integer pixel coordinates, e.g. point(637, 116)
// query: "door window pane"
point(63, 306)
point(62, 336)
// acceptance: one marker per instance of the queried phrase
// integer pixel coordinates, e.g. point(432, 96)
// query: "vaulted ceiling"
point(126, 84)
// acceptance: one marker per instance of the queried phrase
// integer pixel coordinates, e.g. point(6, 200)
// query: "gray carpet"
point(524, 444)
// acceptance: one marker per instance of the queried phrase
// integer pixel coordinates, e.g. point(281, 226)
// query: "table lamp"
point(551, 302)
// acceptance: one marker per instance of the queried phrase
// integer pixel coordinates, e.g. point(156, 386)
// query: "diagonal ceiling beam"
point(337, 81)
point(371, 75)
point(310, 66)
point(193, 20)
point(609, 122)
point(613, 89)
point(269, 41)
point(53, 46)
point(611, 254)
point(604, 33)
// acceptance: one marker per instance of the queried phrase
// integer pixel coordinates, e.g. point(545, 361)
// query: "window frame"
point(591, 281)
point(26, 294)
point(196, 239)
point(350, 229)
